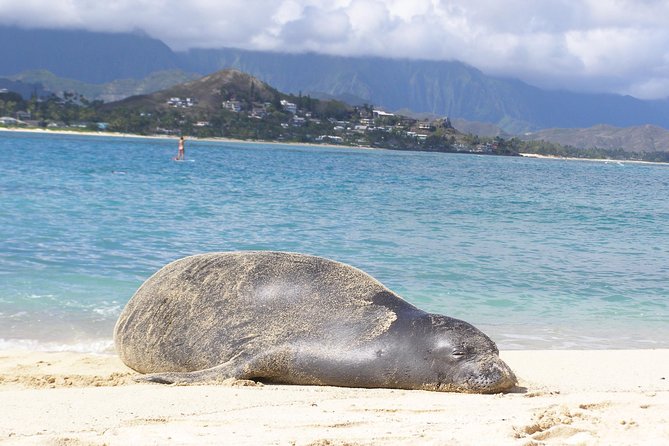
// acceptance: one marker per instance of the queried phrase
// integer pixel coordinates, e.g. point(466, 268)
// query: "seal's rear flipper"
point(214, 374)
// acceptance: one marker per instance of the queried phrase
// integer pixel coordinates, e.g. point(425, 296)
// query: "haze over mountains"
point(440, 88)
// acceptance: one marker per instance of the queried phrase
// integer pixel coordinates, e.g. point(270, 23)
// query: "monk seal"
point(297, 319)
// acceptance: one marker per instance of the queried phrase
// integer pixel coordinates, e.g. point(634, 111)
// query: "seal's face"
point(466, 360)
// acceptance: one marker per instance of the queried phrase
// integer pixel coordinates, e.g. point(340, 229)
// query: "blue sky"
point(619, 46)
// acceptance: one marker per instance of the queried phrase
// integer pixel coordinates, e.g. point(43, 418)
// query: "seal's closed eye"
point(458, 353)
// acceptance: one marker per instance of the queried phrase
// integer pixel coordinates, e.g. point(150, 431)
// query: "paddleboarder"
point(181, 154)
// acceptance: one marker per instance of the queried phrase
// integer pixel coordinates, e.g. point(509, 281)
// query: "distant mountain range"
point(107, 92)
point(646, 138)
point(81, 55)
point(120, 64)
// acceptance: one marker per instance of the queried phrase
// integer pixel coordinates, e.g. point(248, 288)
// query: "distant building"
point(382, 114)
point(331, 138)
point(233, 106)
point(259, 110)
point(289, 106)
point(8, 120)
point(23, 115)
point(298, 121)
point(258, 113)
point(181, 102)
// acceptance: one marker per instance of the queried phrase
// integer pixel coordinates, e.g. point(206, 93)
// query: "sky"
point(616, 46)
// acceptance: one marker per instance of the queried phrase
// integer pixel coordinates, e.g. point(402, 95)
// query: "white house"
point(233, 106)
point(289, 106)
point(381, 114)
point(181, 103)
point(8, 120)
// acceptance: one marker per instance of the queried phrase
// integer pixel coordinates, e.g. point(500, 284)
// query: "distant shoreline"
point(174, 138)
point(598, 160)
point(303, 144)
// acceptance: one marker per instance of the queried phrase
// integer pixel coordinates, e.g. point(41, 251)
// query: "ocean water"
point(536, 253)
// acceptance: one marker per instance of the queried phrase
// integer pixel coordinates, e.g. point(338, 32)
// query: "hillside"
point(208, 92)
point(445, 88)
point(645, 138)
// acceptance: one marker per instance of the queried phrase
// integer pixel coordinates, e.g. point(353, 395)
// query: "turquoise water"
point(537, 253)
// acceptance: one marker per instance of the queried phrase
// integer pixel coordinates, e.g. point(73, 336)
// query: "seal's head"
point(465, 359)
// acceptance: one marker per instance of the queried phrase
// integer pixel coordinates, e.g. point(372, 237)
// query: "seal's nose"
point(506, 379)
point(493, 376)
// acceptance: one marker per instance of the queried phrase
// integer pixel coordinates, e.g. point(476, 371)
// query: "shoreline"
point(564, 397)
point(595, 160)
point(175, 138)
point(302, 144)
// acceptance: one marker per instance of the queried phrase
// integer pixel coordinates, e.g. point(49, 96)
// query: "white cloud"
point(601, 45)
point(316, 27)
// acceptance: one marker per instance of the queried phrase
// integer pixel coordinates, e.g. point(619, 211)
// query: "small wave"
point(110, 311)
point(101, 346)
point(40, 296)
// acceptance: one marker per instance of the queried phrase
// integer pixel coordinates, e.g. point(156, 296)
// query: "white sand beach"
point(600, 397)
point(174, 138)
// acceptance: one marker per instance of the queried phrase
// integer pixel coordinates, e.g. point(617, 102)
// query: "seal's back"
point(201, 311)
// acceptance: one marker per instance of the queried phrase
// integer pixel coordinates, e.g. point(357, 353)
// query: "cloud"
point(587, 45)
point(316, 28)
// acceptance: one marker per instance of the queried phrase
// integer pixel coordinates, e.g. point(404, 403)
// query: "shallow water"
point(537, 253)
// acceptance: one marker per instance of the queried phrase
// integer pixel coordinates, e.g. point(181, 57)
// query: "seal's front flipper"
point(214, 374)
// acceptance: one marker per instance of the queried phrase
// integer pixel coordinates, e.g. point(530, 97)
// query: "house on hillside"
point(181, 102)
point(233, 106)
point(426, 126)
point(289, 106)
point(298, 121)
point(382, 114)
